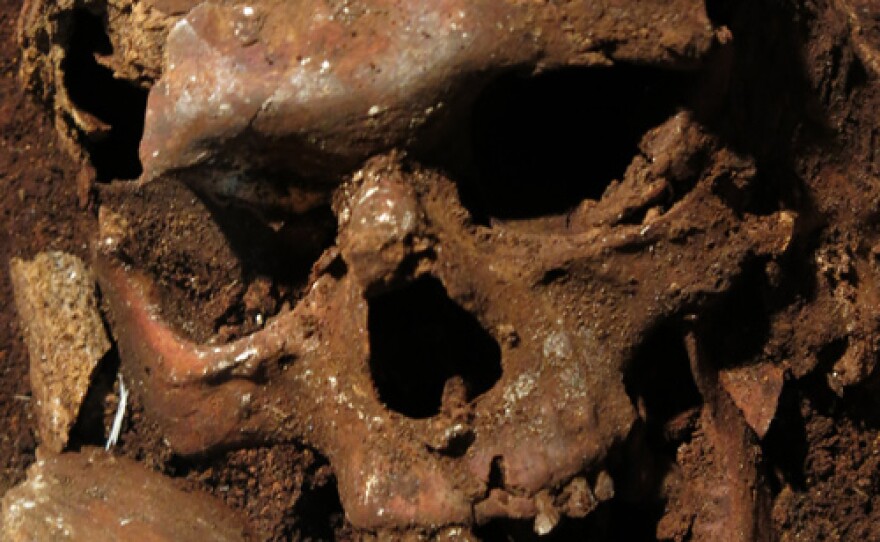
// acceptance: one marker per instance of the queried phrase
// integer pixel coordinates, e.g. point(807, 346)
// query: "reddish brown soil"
point(820, 461)
point(39, 211)
point(216, 266)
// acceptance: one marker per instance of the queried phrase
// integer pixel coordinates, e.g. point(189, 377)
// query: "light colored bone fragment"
point(55, 298)
point(755, 390)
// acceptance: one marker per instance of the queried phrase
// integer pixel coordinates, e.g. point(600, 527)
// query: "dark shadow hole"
point(285, 251)
point(541, 145)
point(856, 75)
point(419, 339)
point(815, 384)
point(318, 513)
point(747, 304)
point(720, 12)
point(95, 418)
point(553, 275)
point(659, 378)
point(786, 444)
point(496, 473)
point(457, 446)
point(118, 104)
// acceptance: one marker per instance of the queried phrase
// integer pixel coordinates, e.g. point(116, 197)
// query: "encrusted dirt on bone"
point(234, 71)
point(559, 405)
point(165, 230)
point(815, 302)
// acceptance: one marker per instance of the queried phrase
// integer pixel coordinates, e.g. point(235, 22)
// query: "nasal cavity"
point(419, 340)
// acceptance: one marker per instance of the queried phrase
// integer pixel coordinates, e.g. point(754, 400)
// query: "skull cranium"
point(522, 419)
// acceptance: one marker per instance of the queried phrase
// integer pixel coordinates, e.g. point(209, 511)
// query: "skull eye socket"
point(420, 339)
point(541, 145)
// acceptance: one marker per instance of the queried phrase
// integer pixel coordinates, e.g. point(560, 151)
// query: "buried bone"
point(57, 306)
point(300, 99)
point(554, 411)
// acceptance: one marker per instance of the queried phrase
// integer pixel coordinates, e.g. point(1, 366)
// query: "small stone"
point(55, 298)
point(92, 496)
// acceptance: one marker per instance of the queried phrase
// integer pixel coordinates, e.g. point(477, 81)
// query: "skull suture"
point(337, 99)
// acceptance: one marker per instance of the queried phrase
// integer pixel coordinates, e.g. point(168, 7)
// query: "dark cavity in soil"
point(419, 339)
point(659, 381)
point(118, 104)
point(541, 145)
point(659, 378)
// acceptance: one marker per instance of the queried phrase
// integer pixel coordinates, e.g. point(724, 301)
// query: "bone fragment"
point(55, 298)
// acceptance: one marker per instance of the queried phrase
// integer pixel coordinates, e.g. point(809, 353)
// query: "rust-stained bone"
point(291, 92)
point(559, 406)
point(313, 89)
point(739, 503)
point(755, 390)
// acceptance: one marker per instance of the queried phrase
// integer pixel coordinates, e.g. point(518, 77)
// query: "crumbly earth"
point(787, 165)
point(39, 212)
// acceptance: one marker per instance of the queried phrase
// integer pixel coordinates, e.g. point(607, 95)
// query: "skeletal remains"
point(281, 108)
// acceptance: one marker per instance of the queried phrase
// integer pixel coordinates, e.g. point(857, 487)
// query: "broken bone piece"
point(604, 488)
point(316, 93)
point(55, 298)
point(96, 497)
point(381, 227)
point(755, 391)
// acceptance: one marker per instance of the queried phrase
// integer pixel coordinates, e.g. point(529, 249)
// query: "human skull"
point(283, 108)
